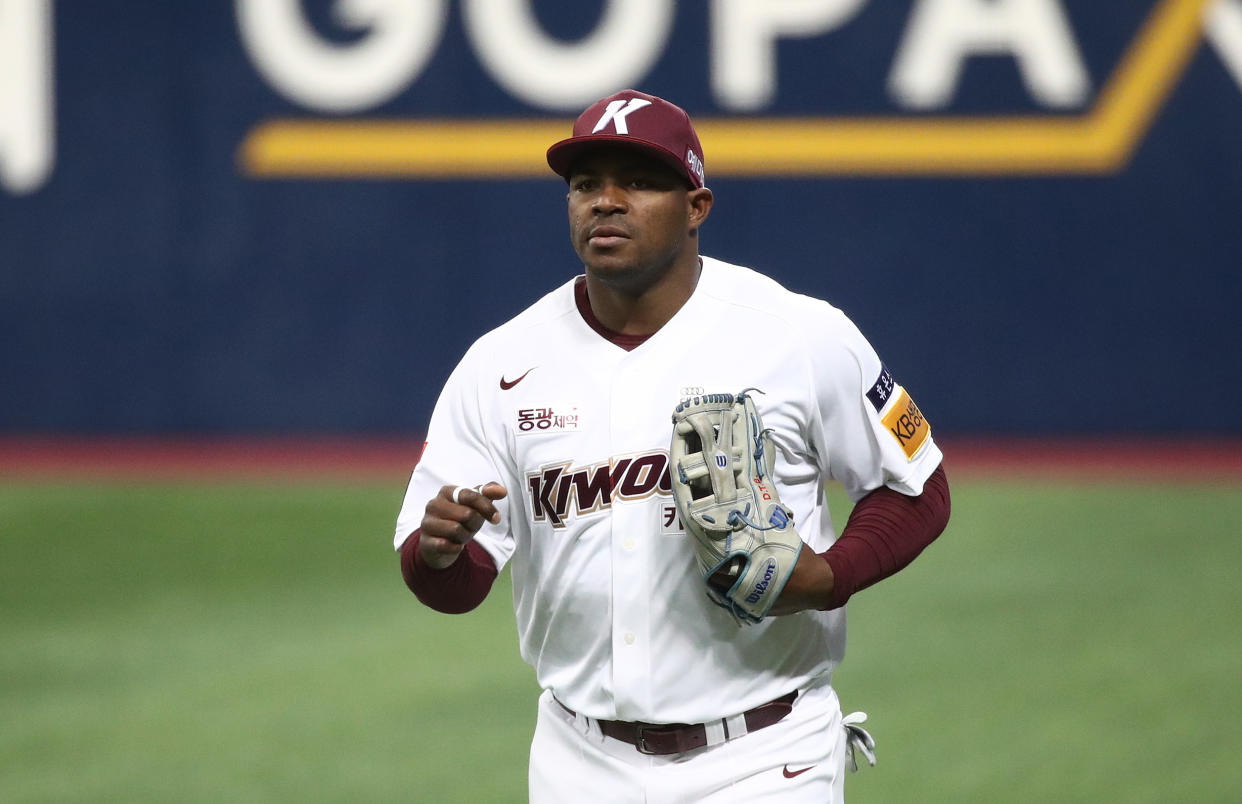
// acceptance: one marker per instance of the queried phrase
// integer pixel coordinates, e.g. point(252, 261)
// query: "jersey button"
point(628, 544)
point(629, 639)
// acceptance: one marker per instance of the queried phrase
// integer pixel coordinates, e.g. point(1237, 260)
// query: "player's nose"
point(610, 198)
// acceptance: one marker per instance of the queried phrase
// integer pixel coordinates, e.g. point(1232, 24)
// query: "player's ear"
point(700, 204)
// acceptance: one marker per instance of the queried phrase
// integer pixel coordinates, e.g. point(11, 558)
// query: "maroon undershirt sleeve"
point(885, 532)
point(455, 589)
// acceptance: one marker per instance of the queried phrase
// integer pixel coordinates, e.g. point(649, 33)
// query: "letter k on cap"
point(617, 114)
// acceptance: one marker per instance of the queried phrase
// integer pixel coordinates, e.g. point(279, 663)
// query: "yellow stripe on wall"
point(1102, 141)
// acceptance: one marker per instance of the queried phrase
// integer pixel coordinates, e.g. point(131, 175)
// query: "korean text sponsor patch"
point(547, 419)
point(882, 390)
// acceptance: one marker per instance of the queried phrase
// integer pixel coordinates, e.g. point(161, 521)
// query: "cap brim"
point(562, 155)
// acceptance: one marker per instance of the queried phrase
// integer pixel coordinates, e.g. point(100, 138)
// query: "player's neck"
point(644, 310)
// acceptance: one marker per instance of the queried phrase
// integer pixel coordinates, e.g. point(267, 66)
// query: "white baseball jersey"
point(611, 608)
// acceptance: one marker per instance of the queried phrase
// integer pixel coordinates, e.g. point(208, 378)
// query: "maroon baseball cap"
point(636, 120)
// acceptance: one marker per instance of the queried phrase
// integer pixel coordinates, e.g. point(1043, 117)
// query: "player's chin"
point(608, 261)
point(618, 274)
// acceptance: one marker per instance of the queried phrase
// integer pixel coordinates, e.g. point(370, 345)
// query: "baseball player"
point(549, 451)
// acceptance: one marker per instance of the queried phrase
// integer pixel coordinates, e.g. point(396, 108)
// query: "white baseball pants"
point(800, 759)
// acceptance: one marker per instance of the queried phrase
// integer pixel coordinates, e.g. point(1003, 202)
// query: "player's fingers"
point(439, 545)
point(481, 500)
point(494, 491)
point(445, 529)
point(458, 512)
point(490, 493)
point(445, 519)
point(461, 524)
point(437, 551)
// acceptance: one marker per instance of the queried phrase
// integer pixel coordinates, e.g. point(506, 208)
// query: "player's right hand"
point(448, 526)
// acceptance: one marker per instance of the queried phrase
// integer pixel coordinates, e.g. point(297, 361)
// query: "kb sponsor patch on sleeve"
point(906, 423)
point(898, 413)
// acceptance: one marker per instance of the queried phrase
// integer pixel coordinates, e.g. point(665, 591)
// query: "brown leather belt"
point(677, 738)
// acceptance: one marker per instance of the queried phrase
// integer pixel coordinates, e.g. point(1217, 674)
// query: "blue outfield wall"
point(1047, 241)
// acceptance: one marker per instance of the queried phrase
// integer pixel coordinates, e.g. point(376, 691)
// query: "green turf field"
point(217, 643)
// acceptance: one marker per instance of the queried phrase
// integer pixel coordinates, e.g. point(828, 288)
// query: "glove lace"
point(737, 519)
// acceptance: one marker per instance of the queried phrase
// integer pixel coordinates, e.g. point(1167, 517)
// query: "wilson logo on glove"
point(769, 570)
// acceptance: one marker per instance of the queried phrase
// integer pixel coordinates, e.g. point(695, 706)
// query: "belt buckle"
point(640, 738)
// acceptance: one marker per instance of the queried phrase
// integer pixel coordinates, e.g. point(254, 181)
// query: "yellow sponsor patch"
point(906, 423)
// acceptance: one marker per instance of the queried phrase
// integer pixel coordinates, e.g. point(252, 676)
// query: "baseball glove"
point(721, 460)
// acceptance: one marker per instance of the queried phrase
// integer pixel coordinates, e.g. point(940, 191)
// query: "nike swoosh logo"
point(790, 774)
point(505, 385)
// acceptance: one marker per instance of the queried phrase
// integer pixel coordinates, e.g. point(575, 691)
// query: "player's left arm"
point(879, 446)
point(886, 531)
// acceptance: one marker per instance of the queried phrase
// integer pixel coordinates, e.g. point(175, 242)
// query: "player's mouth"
point(606, 236)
